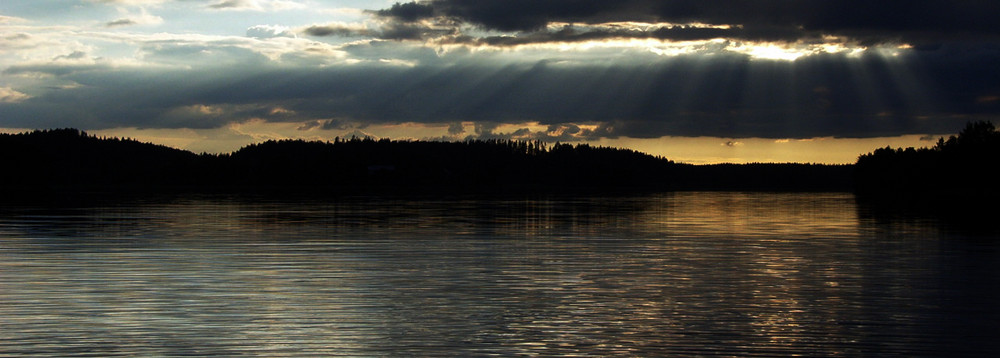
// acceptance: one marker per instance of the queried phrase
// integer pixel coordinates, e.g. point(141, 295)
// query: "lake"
point(686, 273)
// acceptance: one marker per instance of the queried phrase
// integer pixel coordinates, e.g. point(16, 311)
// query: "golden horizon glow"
point(691, 150)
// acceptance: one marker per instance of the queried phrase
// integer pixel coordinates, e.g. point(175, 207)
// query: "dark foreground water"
point(732, 274)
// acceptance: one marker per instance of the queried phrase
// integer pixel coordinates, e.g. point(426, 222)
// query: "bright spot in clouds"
point(667, 77)
point(8, 95)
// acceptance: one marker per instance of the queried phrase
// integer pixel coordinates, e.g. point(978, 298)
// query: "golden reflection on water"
point(677, 274)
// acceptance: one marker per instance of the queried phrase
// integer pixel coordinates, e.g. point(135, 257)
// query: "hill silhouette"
point(70, 158)
point(960, 167)
point(488, 163)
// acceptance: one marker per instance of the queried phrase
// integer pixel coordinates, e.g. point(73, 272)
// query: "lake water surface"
point(689, 274)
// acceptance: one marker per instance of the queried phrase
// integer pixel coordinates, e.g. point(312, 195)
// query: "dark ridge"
point(961, 168)
point(69, 159)
point(489, 163)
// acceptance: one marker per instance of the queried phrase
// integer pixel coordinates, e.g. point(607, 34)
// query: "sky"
point(697, 81)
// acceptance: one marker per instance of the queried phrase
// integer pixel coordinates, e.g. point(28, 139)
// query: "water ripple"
point(693, 274)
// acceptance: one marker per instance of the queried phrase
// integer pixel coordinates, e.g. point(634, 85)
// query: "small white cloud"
point(269, 31)
point(256, 5)
point(9, 95)
point(129, 19)
point(11, 20)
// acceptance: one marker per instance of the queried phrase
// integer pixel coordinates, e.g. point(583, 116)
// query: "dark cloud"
point(528, 15)
point(121, 22)
point(54, 69)
point(15, 37)
point(554, 133)
point(576, 34)
point(335, 30)
point(390, 31)
point(326, 124)
point(409, 12)
point(932, 90)
point(75, 55)
point(915, 21)
point(336, 124)
point(230, 4)
point(309, 125)
point(485, 129)
point(413, 32)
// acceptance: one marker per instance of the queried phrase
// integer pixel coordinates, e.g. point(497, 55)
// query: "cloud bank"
point(551, 70)
point(869, 21)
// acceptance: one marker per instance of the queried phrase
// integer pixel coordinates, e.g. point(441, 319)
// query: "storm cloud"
point(727, 95)
point(919, 21)
point(551, 70)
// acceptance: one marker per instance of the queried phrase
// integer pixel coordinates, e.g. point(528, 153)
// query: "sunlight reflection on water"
point(740, 274)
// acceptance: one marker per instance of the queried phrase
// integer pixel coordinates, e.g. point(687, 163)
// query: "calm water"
point(733, 274)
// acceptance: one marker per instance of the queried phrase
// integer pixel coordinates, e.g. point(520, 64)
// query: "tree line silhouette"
point(70, 158)
point(961, 166)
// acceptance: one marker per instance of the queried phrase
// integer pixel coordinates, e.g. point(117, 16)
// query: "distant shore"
point(71, 161)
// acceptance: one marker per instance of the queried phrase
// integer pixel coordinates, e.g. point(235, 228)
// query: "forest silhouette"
point(961, 166)
point(72, 159)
